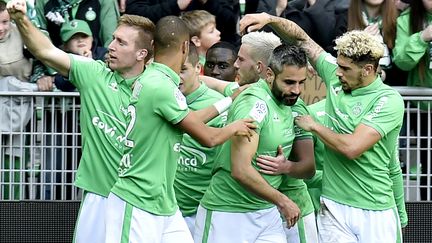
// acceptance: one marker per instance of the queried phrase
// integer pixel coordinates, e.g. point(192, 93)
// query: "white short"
point(126, 223)
point(90, 225)
point(224, 227)
point(304, 231)
point(345, 224)
point(190, 221)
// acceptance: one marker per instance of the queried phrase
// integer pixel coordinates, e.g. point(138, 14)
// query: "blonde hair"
point(360, 46)
point(262, 43)
point(196, 20)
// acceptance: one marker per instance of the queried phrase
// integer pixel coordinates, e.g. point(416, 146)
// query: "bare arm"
point(286, 29)
point(215, 84)
point(350, 145)
point(242, 152)
point(37, 43)
point(209, 136)
point(301, 163)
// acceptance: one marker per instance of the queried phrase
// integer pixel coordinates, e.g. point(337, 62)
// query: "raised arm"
point(286, 29)
point(37, 43)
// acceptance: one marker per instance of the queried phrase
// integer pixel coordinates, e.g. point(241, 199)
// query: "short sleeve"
point(85, 70)
point(170, 103)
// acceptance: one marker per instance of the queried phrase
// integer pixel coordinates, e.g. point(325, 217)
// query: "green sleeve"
point(230, 89)
point(409, 48)
point(40, 15)
point(108, 16)
point(315, 181)
point(398, 187)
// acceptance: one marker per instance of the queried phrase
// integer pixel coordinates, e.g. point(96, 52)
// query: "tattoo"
point(291, 32)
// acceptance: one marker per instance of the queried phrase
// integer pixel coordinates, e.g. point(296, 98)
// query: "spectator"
point(413, 53)
point(15, 112)
point(203, 31)
point(219, 62)
point(227, 12)
point(101, 16)
point(77, 39)
point(377, 18)
point(318, 18)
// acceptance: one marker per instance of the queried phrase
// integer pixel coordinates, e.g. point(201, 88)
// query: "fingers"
point(279, 150)
point(267, 168)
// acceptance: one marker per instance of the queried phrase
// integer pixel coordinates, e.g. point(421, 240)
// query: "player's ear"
point(196, 40)
point(142, 54)
point(270, 76)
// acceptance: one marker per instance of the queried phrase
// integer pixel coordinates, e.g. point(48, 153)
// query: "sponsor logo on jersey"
point(258, 111)
point(380, 104)
point(191, 159)
point(181, 99)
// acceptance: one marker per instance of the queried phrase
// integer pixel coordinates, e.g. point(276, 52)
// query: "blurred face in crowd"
point(428, 5)
point(209, 36)
point(123, 51)
point(374, 2)
point(247, 68)
point(288, 85)
point(220, 64)
point(189, 77)
point(4, 24)
point(79, 43)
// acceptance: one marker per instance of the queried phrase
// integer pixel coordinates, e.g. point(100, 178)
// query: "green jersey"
point(295, 188)
point(152, 146)
point(104, 97)
point(195, 164)
point(314, 184)
point(362, 182)
point(274, 126)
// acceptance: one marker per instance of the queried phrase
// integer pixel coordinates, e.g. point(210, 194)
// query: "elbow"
point(237, 175)
point(351, 154)
point(310, 173)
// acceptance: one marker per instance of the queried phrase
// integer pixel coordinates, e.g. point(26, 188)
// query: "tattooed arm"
point(286, 29)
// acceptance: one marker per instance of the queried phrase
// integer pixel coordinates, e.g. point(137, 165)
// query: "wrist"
point(223, 104)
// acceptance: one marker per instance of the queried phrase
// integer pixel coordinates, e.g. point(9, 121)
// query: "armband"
point(223, 104)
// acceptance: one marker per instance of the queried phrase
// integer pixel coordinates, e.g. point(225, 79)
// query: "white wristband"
point(223, 104)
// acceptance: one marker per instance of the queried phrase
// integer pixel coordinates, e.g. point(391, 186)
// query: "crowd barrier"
point(41, 145)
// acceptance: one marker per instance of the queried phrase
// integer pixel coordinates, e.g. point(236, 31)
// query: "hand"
point(86, 53)
point(305, 122)
point(239, 90)
point(244, 127)
point(274, 165)
point(252, 22)
point(290, 211)
point(183, 4)
point(426, 34)
point(17, 9)
point(122, 6)
point(45, 83)
point(373, 29)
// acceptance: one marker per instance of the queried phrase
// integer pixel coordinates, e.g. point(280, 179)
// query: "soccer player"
point(238, 194)
point(104, 91)
point(142, 206)
point(194, 169)
point(220, 59)
point(364, 117)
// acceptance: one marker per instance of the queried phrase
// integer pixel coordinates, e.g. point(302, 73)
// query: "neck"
point(373, 11)
point(133, 72)
point(194, 87)
point(173, 61)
